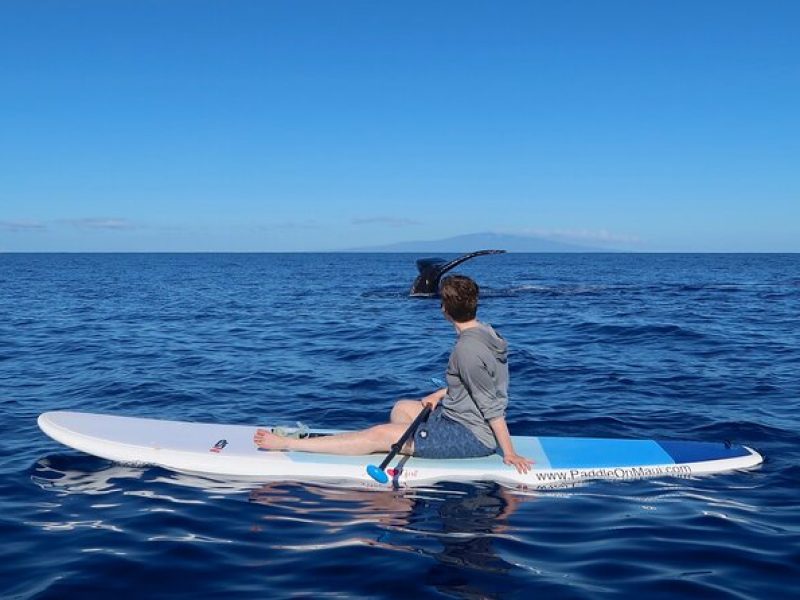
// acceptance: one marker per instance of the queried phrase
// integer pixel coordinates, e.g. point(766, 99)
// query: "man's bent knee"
point(404, 411)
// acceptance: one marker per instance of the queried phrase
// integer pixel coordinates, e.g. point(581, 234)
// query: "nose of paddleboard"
point(377, 474)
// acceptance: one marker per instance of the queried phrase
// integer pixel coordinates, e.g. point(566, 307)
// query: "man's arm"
point(433, 399)
point(510, 457)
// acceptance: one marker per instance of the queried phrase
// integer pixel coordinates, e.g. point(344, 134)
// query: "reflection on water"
point(455, 524)
point(450, 531)
point(70, 474)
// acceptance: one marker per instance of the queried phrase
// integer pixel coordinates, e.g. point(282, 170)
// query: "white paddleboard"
point(228, 451)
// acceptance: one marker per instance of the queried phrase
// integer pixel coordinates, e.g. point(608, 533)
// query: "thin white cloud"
point(101, 223)
point(602, 236)
point(22, 226)
point(390, 221)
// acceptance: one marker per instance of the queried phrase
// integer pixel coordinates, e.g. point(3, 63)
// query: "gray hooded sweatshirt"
point(477, 381)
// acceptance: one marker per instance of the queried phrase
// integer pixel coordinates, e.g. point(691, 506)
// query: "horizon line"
point(638, 252)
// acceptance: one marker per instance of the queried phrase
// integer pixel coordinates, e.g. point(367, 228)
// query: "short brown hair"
point(459, 297)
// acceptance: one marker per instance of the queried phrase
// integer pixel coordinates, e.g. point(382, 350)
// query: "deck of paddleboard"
point(228, 450)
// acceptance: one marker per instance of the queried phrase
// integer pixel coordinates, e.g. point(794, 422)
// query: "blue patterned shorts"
point(440, 437)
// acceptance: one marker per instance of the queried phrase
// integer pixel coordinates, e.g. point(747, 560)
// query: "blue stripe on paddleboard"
point(586, 453)
point(687, 452)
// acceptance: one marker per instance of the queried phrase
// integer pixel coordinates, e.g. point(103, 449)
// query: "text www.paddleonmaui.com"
point(615, 473)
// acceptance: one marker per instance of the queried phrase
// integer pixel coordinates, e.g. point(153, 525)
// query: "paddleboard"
point(228, 451)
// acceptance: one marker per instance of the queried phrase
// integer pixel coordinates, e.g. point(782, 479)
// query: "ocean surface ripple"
point(702, 347)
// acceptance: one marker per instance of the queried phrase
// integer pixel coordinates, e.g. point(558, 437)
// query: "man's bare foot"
point(267, 440)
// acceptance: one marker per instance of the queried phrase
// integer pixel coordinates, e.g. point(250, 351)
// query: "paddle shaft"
point(397, 446)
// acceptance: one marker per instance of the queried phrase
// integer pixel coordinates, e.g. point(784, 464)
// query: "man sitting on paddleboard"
point(468, 417)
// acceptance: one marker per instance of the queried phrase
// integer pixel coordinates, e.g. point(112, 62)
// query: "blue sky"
point(299, 125)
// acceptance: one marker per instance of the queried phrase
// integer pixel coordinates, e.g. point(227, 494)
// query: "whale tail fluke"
point(431, 270)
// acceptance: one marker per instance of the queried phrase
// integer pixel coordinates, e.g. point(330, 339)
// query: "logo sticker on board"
point(219, 446)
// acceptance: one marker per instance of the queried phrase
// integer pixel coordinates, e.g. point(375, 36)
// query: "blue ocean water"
point(702, 347)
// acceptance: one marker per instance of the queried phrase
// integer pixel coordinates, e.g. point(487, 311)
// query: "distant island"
point(477, 241)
